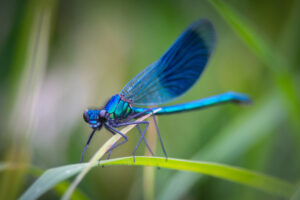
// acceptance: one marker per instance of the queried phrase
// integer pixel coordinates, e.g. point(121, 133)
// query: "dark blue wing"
point(177, 70)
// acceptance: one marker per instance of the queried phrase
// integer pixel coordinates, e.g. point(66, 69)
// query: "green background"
point(58, 58)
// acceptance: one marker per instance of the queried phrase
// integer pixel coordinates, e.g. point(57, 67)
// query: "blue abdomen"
point(117, 107)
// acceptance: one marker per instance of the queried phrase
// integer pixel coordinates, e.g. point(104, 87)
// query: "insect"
point(164, 80)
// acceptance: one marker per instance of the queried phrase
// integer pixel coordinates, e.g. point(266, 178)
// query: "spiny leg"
point(142, 137)
point(157, 130)
point(109, 152)
point(129, 118)
point(142, 134)
point(148, 147)
point(88, 142)
point(158, 134)
point(126, 124)
point(108, 156)
point(111, 129)
point(140, 131)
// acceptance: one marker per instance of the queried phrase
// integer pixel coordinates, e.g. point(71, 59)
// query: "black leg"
point(158, 134)
point(129, 118)
point(138, 144)
point(109, 152)
point(88, 142)
point(111, 129)
point(141, 133)
point(157, 130)
point(139, 129)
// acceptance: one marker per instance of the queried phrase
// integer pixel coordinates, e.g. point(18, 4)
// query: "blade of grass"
point(268, 113)
point(62, 187)
point(234, 140)
point(296, 195)
point(256, 180)
point(149, 172)
point(102, 150)
point(36, 172)
point(62, 173)
point(282, 74)
point(30, 68)
point(50, 178)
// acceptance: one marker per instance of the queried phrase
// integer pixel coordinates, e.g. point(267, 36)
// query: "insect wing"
point(177, 70)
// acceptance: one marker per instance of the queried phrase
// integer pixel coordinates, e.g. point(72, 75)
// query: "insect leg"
point(113, 130)
point(139, 142)
point(141, 133)
point(88, 142)
point(137, 115)
point(158, 134)
point(157, 130)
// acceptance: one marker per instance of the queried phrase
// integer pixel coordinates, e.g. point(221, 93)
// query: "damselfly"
point(163, 81)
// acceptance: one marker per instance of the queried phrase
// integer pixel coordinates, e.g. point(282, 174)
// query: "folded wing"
point(177, 70)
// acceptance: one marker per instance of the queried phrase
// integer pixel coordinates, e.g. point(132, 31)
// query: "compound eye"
point(86, 116)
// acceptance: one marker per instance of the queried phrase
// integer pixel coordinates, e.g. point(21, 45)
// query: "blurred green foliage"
point(59, 57)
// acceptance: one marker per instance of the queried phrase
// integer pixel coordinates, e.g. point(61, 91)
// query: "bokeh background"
point(58, 58)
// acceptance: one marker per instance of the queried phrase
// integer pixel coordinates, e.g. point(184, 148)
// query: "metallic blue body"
point(171, 76)
point(117, 107)
point(198, 104)
point(111, 105)
point(93, 117)
point(164, 80)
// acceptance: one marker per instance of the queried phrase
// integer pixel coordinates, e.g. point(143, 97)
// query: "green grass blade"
point(251, 38)
point(102, 150)
point(36, 172)
point(249, 178)
point(275, 63)
point(51, 178)
point(29, 61)
point(296, 195)
point(61, 188)
point(267, 113)
point(234, 140)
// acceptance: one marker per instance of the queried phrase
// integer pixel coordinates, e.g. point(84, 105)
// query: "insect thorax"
point(118, 107)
